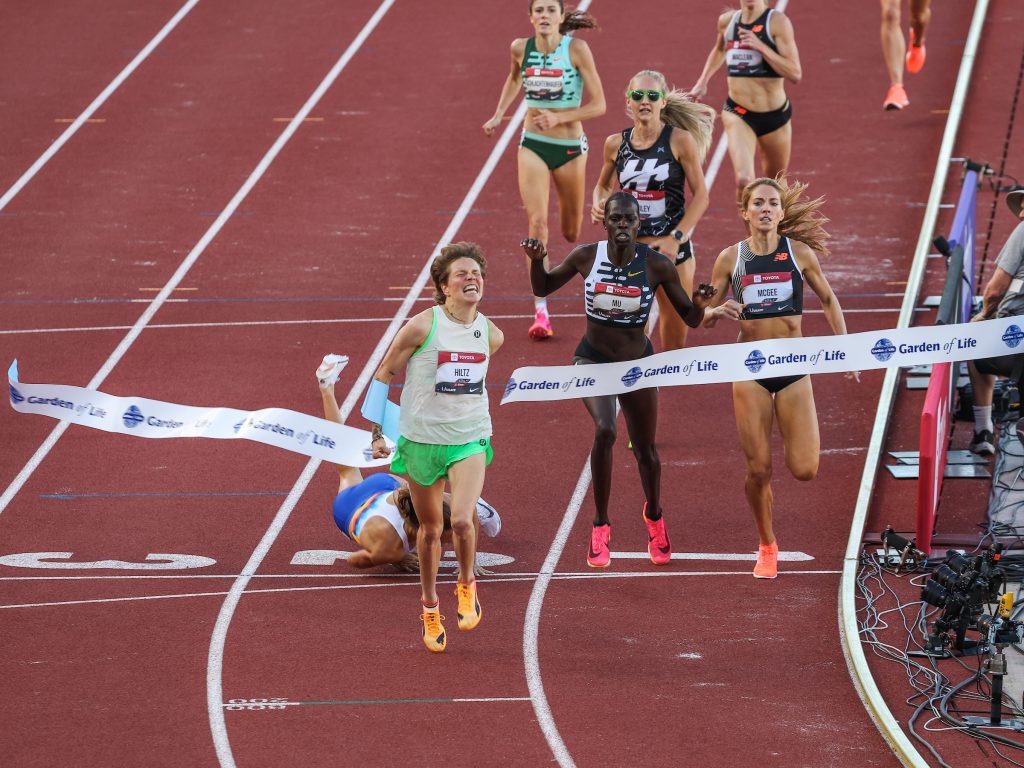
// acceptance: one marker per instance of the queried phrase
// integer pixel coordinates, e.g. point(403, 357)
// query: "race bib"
point(767, 292)
point(542, 84)
point(738, 57)
point(460, 373)
point(652, 204)
point(617, 299)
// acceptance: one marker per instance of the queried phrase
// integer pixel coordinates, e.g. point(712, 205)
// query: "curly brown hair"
point(451, 253)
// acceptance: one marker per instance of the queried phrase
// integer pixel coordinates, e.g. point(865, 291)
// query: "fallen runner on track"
point(376, 512)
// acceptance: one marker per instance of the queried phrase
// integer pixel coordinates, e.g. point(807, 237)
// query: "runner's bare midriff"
point(758, 94)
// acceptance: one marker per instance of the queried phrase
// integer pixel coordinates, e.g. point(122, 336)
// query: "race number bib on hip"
point(543, 83)
point(652, 204)
point(767, 292)
point(617, 299)
point(460, 373)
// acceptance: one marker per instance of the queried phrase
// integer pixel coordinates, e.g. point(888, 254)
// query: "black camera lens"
point(958, 561)
point(946, 576)
point(935, 594)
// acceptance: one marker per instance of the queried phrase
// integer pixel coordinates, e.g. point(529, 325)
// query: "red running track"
point(123, 666)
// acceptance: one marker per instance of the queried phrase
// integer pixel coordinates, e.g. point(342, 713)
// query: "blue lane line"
point(67, 496)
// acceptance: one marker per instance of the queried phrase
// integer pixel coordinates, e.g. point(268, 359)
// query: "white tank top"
point(382, 507)
point(444, 401)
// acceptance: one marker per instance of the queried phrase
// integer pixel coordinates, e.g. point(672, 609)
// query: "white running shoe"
point(490, 521)
point(330, 369)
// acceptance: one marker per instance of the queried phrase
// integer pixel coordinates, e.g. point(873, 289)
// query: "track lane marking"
point(345, 321)
point(524, 578)
point(531, 627)
point(98, 102)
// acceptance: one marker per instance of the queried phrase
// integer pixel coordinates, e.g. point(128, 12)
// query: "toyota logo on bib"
point(755, 361)
point(132, 417)
point(1013, 336)
point(883, 350)
point(632, 376)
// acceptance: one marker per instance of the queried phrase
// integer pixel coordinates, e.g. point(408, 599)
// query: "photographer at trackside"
point(1003, 297)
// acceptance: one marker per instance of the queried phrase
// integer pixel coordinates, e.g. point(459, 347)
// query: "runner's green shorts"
point(426, 463)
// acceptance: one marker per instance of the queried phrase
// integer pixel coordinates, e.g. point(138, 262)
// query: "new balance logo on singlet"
point(633, 176)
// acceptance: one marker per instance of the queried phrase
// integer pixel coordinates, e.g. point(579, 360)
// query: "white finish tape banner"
point(897, 347)
point(140, 417)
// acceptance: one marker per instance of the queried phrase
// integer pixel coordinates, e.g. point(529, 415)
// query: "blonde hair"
point(801, 219)
point(682, 112)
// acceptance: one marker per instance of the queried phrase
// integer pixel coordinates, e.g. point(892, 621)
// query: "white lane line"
point(345, 321)
point(218, 639)
point(215, 228)
point(505, 579)
point(98, 102)
point(215, 657)
point(784, 556)
point(532, 622)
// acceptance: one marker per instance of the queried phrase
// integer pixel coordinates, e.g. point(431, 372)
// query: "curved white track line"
point(98, 102)
point(217, 642)
point(531, 628)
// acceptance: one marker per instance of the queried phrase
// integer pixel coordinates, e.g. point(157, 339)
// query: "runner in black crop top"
point(768, 285)
point(621, 276)
point(758, 48)
point(767, 271)
point(740, 59)
point(654, 160)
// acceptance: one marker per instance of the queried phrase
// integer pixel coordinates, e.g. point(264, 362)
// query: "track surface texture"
point(253, 660)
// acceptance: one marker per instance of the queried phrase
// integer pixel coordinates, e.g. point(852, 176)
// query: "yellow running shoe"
point(433, 631)
point(469, 606)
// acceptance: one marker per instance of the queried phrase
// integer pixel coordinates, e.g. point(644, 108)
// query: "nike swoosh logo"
point(634, 274)
point(572, 151)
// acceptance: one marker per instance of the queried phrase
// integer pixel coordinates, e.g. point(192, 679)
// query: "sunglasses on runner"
point(652, 96)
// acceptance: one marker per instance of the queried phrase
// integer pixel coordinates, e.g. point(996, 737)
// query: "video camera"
point(961, 585)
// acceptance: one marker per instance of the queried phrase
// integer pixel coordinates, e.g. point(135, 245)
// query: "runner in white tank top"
point(445, 423)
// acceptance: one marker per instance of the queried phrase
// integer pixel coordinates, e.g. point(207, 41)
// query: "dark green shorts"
point(426, 463)
point(554, 152)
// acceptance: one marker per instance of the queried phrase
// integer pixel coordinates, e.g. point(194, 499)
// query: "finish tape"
point(893, 348)
point(141, 417)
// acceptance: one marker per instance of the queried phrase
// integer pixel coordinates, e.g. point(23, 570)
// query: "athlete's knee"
point(805, 472)
point(571, 231)
point(604, 434)
point(647, 458)
point(891, 13)
point(430, 532)
point(759, 473)
point(742, 179)
point(538, 224)
point(462, 527)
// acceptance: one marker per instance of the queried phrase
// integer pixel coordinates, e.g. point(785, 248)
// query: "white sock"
point(982, 417)
point(540, 305)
